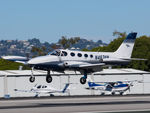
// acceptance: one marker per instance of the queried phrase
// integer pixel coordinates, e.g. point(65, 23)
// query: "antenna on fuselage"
point(98, 50)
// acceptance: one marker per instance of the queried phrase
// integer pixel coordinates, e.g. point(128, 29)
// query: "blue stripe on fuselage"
point(121, 85)
point(92, 84)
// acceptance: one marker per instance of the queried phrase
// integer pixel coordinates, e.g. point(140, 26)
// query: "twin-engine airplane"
point(85, 62)
point(38, 89)
point(113, 87)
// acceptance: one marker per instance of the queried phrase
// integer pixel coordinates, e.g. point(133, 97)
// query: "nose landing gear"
point(32, 78)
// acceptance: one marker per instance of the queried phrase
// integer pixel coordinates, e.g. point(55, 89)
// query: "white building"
point(19, 79)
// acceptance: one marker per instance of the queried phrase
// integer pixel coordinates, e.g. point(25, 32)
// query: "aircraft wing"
point(84, 65)
point(95, 88)
point(22, 62)
point(28, 91)
point(91, 65)
point(18, 59)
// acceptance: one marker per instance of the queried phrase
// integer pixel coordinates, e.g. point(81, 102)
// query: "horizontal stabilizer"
point(133, 59)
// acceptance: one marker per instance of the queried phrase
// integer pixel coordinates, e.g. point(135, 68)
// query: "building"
point(19, 79)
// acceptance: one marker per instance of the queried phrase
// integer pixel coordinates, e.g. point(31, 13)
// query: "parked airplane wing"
point(29, 91)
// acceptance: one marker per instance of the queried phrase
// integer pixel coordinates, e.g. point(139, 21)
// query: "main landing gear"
point(83, 79)
point(32, 79)
point(48, 77)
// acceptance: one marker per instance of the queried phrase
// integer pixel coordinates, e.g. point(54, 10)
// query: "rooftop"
point(123, 71)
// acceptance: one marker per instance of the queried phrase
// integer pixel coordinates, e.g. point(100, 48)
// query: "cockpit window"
point(39, 87)
point(55, 53)
point(63, 53)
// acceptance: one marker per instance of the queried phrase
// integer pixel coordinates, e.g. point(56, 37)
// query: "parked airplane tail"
point(126, 48)
point(91, 83)
point(65, 88)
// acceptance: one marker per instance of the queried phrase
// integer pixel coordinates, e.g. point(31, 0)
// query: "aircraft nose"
point(31, 62)
point(36, 60)
point(42, 60)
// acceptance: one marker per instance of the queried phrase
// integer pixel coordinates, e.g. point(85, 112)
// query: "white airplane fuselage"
point(65, 62)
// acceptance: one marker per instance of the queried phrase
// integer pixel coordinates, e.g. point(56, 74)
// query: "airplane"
point(85, 62)
point(38, 89)
point(114, 87)
point(19, 59)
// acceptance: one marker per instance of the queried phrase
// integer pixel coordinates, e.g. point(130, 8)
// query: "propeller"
point(59, 53)
point(35, 85)
point(36, 95)
point(129, 89)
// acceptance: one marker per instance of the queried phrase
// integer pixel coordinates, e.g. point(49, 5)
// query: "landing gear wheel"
point(82, 80)
point(103, 93)
point(52, 95)
point(49, 79)
point(121, 93)
point(113, 93)
point(32, 79)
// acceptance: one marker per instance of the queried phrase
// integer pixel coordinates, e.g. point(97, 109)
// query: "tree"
point(141, 50)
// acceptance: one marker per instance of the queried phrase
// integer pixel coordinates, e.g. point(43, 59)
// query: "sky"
point(94, 20)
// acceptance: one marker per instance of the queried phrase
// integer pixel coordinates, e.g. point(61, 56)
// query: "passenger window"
point(91, 56)
point(79, 55)
point(85, 55)
point(72, 54)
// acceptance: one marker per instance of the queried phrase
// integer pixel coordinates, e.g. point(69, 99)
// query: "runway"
point(96, 104)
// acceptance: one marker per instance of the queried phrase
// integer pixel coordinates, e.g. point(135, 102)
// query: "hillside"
point(35, 48)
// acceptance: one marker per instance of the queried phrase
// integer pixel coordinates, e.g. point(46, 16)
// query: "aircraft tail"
point(65, 88)
point(90, 82)
point(126, 48)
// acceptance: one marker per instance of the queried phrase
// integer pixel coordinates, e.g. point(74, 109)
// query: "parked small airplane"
point(85, 62)
point(38, 89)
point(114, 87)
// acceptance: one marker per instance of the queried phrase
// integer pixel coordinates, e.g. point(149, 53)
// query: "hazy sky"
point(48, 20)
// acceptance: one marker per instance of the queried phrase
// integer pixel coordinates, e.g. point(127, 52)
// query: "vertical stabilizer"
point(65, 88)
point(126, 48)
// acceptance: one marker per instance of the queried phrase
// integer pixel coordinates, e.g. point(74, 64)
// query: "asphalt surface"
point(120, 104)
